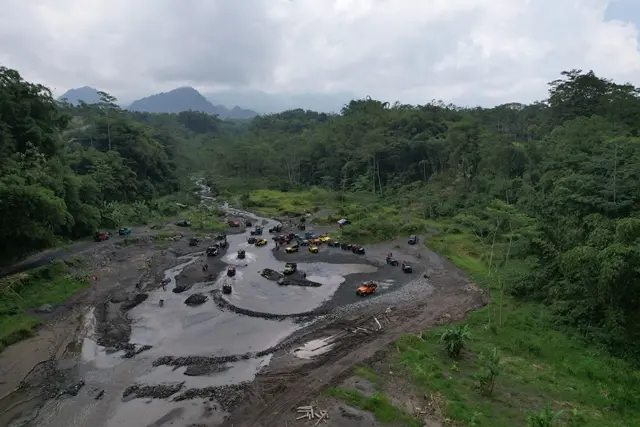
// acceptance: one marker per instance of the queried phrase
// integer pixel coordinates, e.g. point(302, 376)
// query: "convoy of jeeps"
point(292, 243)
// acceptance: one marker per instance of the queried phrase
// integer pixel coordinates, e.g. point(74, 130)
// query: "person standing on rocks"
point(164, 284)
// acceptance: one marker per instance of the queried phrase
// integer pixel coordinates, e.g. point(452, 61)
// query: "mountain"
point(184, 99)
point(86, 94)
point(264, 102)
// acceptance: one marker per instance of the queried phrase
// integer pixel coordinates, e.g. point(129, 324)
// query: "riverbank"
point(540, 364)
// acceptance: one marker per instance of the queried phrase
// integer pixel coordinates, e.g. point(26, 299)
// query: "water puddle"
point(91, 351)
point(259, 294)
point(160, 413)
point(232, 373)
point(314, 348)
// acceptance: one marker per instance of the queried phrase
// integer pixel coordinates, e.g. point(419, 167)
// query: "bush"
point(454, 339)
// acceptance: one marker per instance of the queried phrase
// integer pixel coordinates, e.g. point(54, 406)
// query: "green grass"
point(371, 220)
point(20, 293)
point(377, 404)
point(365, 372)
point(277, 203)
point(206, 221)
point(539, 363)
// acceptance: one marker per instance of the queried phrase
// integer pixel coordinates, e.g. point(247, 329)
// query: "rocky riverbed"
point(119, 350)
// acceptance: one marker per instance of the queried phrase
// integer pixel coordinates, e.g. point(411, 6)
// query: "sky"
point(469, 52)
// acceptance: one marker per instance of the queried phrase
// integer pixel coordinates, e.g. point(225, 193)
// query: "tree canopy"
point(558, 179)
point(65, 171)
point(568, 167)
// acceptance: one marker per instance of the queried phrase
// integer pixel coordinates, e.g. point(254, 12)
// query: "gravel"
point(132, 352)
point(228, 396)
point(73, 389)
point(407, 293)
point(160, 391)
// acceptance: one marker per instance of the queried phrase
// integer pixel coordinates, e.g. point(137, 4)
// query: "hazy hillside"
point(86, 94)
point(257, 102)
point(264, 102)
point(185, 99)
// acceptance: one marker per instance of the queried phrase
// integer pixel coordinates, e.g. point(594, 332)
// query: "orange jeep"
point(367, 288)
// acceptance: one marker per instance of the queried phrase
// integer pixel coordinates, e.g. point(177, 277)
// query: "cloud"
point(464, 51)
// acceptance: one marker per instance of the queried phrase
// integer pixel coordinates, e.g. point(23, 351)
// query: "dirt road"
point(43, 258)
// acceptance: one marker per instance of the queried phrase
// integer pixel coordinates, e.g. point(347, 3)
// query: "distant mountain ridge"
point(184, 99)
point(86, 94)
point(268, 103)
point(174, 101)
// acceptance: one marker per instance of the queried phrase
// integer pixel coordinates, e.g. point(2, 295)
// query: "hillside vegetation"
point(540, 203)
point(67, 171)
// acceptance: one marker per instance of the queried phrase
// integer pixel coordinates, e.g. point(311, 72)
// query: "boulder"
point(196, 299)
point(45, 308)
point(180, 288)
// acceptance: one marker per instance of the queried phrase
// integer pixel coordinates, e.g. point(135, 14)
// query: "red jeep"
point(101, 236)
point(234, 223)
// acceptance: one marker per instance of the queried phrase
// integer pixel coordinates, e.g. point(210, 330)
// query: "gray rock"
point(45, 308)
point(161, 391)
point(196, 299)
point(73, 389)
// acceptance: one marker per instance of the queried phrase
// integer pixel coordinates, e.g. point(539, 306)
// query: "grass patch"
point(377, 404)
point(366, 372)
point(539, 364)
point(20, 293)
point(278, 203)
point(206, 220)
point(371, 221)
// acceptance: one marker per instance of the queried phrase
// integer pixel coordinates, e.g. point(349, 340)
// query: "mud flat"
point(141, 364)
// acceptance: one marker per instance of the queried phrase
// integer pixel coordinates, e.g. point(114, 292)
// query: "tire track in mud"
point(213, 362)
point(304, 316)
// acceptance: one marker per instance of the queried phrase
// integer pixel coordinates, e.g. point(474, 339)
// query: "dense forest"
point(67, 171)
point(556, 182)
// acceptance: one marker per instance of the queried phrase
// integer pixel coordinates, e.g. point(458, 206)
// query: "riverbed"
point(176, 329)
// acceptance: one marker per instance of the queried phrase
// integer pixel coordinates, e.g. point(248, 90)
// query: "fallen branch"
point(323, 415)
point(310, 414)
point(378, 322)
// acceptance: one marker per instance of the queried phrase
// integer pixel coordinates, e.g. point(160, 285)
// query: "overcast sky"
point(469, 52)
